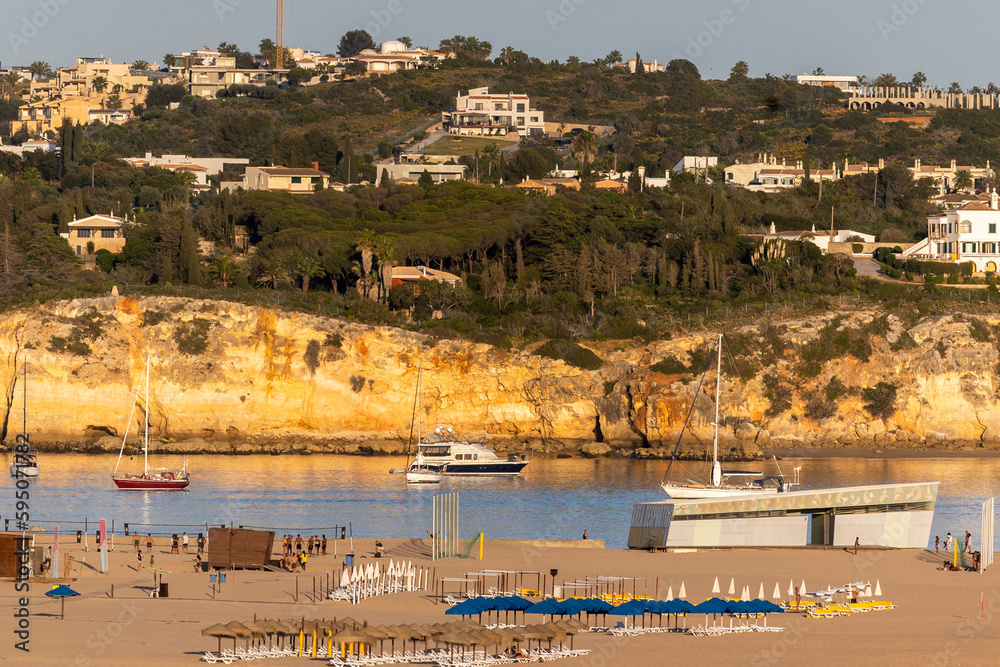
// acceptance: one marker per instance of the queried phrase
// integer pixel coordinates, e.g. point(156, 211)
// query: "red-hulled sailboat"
point(155, 479)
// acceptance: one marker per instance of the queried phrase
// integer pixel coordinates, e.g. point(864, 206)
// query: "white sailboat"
point(726, 483)
point(25, 462)
point(418, 472)
point(151, 479)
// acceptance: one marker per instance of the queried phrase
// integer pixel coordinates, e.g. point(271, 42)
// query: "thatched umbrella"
point(453, 639)
point(219, 631)
point(241, 631)
point(350, 637)
point(569, 629)
point(376, 632)
point(256, 630)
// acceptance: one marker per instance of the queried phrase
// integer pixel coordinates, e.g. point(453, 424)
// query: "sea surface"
point(553, 498)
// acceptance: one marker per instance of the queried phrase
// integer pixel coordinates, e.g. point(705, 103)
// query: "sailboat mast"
point(24, 424)
point(145, 445)
point(717, 478)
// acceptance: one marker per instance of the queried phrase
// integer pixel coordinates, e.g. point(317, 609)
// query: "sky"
point(774, 36)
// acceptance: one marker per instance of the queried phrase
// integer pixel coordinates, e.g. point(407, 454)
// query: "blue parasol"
point(62, 592)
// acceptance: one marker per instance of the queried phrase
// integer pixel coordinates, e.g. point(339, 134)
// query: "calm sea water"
point(554, 498)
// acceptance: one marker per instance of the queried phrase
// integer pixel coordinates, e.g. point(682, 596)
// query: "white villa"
point(966, 234)
point(480, 113)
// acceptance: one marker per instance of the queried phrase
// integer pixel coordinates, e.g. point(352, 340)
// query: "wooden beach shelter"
point(219, 631)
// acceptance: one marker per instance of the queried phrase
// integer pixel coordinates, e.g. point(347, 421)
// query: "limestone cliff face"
point(228, 377)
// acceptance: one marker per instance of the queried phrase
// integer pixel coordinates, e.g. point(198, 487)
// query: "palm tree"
point(309, 268)
point(114, 102)
point(140, 65)
point(573, 61)
point(99, 84)
point(491, 154)
point(919, 79)
point(386, 261)
point(506, 53)
point(963, 180)
point(40, 70)
point(885, 81)
point(224, 270)
point(818, 72)
point(274, 276)
point(366, 246)
point(614, 58)
point(169, 59)
point(9, 82)
point(955, 88)
point(585, 145)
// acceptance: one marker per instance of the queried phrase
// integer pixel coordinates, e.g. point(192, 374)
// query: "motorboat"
point(449, 454)
point(151, 479)
point(723, 483)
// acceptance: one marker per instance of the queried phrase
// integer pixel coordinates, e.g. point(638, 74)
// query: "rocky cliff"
point(232, 378)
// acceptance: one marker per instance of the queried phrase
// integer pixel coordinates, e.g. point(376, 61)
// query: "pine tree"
point(639, 67)
point(426, 181)
point(384, 182)
point(189, 264)
point(77, 143)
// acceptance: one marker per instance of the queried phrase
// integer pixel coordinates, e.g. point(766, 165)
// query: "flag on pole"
point(55, 555)
point(104, 546)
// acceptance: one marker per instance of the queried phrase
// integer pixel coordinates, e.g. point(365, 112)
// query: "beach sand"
point(936, 622)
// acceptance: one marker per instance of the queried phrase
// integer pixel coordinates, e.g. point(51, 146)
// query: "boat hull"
point(140, 484)
point(24, 471)
point(497, 468)
point(426, 477)
point(697, 493)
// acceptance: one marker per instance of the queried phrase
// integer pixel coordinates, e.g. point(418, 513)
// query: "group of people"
point(293, 556)
point(966, 548)
point(176, 543)
point(949, 543)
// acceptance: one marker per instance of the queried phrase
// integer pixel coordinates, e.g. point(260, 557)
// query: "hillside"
point(231, 378)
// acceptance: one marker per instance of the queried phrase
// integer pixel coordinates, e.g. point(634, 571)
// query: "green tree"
point(426, 181)
point(9, 81)
point(189, 262)
point(885, 81)
point(366, 245)
point(386, 253)
point(470, 48)
point(274, 275)
point(880, 400)
point(224, 271)
point(919, 79)
point(613, 58)
point(354, 68)
point(639, 67)
point(963, 180)
point(99, 84)
point(354, 42)
point(40, 70)
point(740, 72)
point(407, 42)
point(140, 65)
point(384, 181)
point(309, 268)
point(169, 59)
point(955, 88)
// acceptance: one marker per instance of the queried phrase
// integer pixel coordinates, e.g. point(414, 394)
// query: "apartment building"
point(485, 114)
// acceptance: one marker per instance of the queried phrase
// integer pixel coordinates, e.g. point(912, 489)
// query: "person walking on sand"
point(201, 543)
point(303, 559)
point(138, 565)
point(149, 543)
point(184, 543)
point(857, 542)
point(323, 545)
point(947, 543)
point(937, 544)
point(197, 563)
point(968, 543)
point(309, 545)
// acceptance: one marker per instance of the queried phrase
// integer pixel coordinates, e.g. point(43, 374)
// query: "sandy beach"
point(936, 622)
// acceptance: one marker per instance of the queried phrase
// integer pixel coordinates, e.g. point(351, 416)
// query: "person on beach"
point(309, 545)
point(303, 558)
point(197, 563)
point(798, 599)
point(136, 541)
point(286, 545)
point(152, 558)
point(149, 543)
point(298, 544)
point(47, 561)
point(585, 534)
point(138, 565)
point(184, 543)
point(937, 544)
point(947, 543)
point(968, 543)
point(379, 549)
point(173, 544)
point(201, 543)
point(323, 544)
point(857, 542)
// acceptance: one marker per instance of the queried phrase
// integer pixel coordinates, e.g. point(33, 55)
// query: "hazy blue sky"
point(773, 36)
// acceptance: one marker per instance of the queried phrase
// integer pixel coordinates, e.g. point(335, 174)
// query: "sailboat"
point(25, 463)
point(155, 479)
point(418, 472)
point(724, 483)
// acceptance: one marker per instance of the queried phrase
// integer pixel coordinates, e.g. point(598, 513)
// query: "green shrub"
point(311, 356)
point(56, 344)
point(835, 389)
point(778, 394)
point(571, 353)
point(979, 331)
point(857, 248)
point(333, 340)
point(880, 400)
point(833, 343)
point(669, 365)
point(151, 318)
point(192, 337)
point(819, 408)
